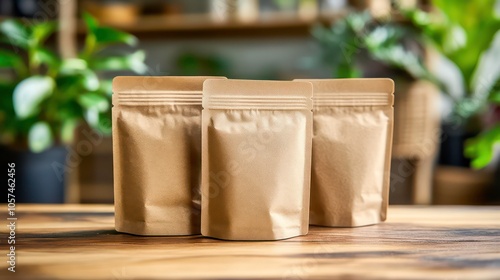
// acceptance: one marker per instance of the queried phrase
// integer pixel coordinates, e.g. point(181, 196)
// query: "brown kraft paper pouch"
point(256, 156)
point(352, 141)
point(157, 154)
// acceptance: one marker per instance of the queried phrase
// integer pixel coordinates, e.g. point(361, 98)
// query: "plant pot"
point(453, 139)
point(461, 186)
point(495, 190)
point(39, 177)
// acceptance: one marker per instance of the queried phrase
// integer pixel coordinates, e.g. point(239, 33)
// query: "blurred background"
point(57, 59)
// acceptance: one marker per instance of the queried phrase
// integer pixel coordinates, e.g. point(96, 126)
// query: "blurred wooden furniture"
point(95, 172)
point(204, 26)
point(79, 242)
point(416, 134)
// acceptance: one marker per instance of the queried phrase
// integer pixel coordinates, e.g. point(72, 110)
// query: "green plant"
point(386, 42)
point(194, 64)
point(470, 40)
point(43, 96)
point(467, 34)
point(480, 148)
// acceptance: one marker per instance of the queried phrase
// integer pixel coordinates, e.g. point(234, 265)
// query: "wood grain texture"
point(79, 242)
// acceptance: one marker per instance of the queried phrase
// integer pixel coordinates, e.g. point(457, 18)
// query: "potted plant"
point(465, 34)
point(44, 97)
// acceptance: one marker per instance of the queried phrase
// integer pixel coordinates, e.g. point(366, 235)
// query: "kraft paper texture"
point(157, 154)
point(352, 141)
point(256, 153)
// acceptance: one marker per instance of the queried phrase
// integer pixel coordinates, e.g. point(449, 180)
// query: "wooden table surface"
point(79, 242)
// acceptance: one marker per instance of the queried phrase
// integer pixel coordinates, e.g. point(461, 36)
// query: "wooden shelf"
point(205, 26)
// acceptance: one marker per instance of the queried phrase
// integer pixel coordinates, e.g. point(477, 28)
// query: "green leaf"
point(68, 130)
point(44, 56)
point(41, 31)
point(73, 64)
point(106, 87)
point(107, 35)
point(78, 68)
point(487, 72)
point(90, 21)
point(40, 137)
point(69, 110)
point(454, 39)
point(94, 100)
point(104, 125)
point(29, 93)
point(69, 85)
point(133, 62)
point(419, 17)
point(92, 117)
point(90, 81)
point(481, 148)
point(17, 34)
point(495, 97)
point(479, 24)
point(6, 90)
point(10, 59)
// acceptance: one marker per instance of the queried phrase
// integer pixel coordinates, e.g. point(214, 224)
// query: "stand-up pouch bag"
point(157, 154)
point(352, 142)
point(256, 153)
